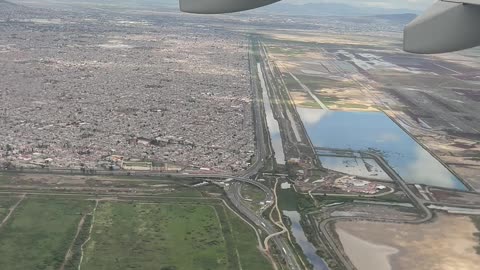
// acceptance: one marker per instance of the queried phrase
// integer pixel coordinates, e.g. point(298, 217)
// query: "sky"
point(408, 4)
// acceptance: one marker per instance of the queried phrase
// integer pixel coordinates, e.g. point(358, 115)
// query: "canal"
point(288, 203)
point(272, 123)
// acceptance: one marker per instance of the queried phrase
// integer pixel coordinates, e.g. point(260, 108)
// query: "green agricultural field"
point(290, 82)
point(173, 234)
point(247, 245)
point(317, 82)
point(252, 192)
point(4, 178)
point(5, 204)
point(311, 104)
point(39, 232)
point(352, 106)
point(155, 236)
point(476, 221)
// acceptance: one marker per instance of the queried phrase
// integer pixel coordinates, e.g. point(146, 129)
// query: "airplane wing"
point(449, 25)
point(221, 6)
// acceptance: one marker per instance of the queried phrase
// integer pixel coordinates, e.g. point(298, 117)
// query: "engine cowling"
point(447, 26)
point(221, 6)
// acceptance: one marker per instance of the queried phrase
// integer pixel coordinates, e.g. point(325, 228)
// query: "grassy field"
point(5, 204)
point(352, 106)
point(246, 244)
point(39, 233)
point(476, 221)
point(252, 192)
point(155, 236)
point(290, 82)
point(254, 195)
point(311, 104)
point(316, 82)
point(4, 179)
point(168, 234)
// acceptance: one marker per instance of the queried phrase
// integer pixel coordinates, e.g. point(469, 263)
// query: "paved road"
point(419, 203)
point(260, 141)
point(233, 193)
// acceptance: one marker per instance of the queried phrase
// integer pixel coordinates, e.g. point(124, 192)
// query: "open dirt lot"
point(448, 243)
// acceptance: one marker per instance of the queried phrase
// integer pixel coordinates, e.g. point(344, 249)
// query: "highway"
point(234, 196)
point(233, 190)
point(256, 219)
point(259, 122)
point(419, 203)
point(233, 193)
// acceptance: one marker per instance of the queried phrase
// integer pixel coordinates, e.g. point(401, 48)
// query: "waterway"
point(363, 131)
point(288, 202)
point(308, 248)
point(272, 123)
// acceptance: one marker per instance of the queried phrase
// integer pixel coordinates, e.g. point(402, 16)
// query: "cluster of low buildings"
point(351, 184)
point(157, 93)
point(336, 183)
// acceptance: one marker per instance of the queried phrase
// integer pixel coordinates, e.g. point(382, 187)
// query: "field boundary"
point(68, 254)
point(12, 209)
point(89, 234)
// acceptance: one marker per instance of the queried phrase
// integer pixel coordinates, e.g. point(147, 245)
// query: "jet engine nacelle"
point(221, 6)
point(449, 25)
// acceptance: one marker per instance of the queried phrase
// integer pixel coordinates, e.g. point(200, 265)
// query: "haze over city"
point(295, 136)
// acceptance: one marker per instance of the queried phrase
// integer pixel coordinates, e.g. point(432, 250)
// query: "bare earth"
point(445, 244)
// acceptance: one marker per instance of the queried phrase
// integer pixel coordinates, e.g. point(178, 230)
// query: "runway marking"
point(309, 92)
point(449, 69)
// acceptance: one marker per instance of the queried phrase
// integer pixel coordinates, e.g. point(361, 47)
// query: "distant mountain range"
point(329, 9)
point(309, 9)
point(399, 18)
point(9, 10)
point(6, 3)
point(280, 8)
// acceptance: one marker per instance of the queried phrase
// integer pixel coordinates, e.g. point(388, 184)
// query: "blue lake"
point(375, 131)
